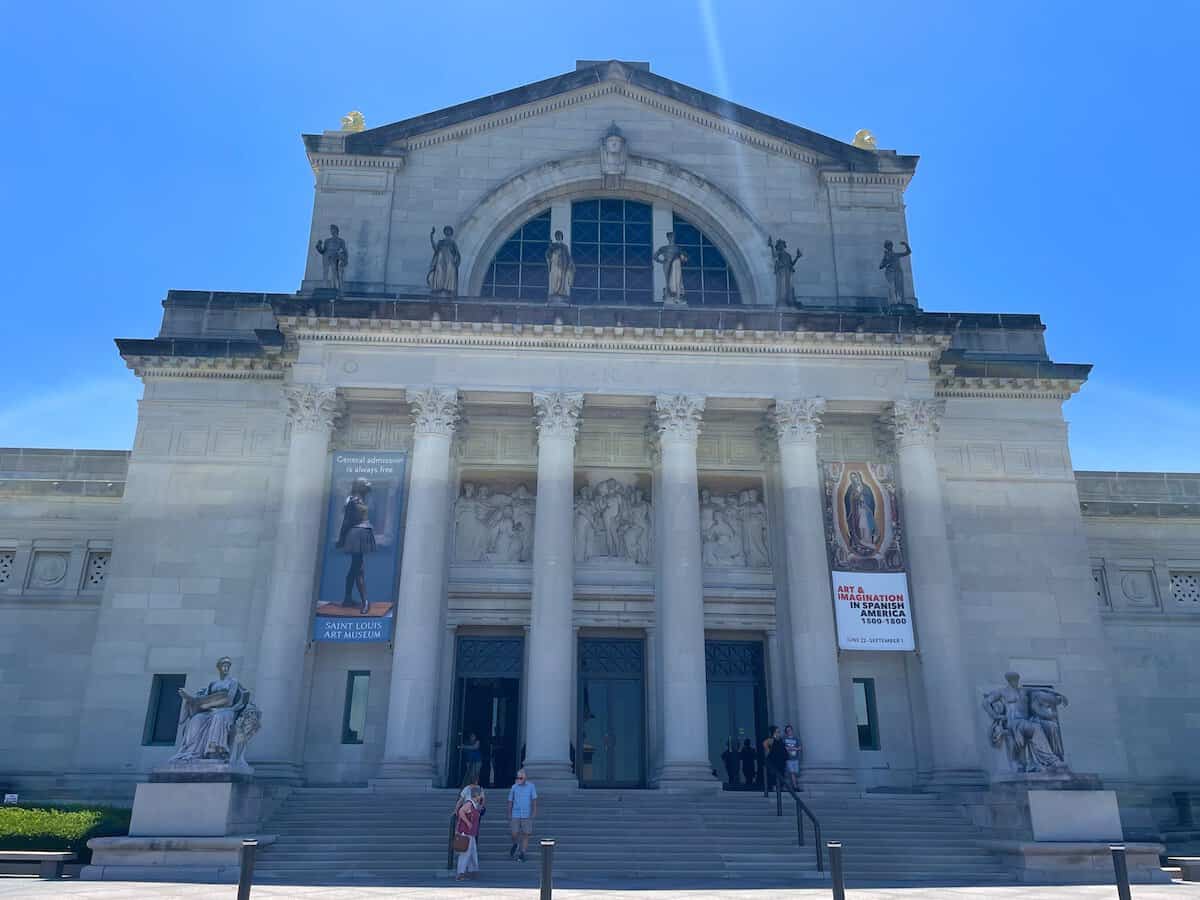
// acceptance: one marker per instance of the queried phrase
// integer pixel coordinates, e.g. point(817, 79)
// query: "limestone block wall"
point(487, 177)
point(190, 558)
point(1021, 559)
point(58, 511)
point(1146, 572)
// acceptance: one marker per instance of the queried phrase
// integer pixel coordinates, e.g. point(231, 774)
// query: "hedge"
point(54, 827)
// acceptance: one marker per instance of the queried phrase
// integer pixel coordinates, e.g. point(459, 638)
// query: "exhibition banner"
point(866, 557)
point(360, 563)
point(872, 611)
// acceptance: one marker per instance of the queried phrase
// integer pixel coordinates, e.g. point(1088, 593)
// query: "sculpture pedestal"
point(187, 825)
point(1059, 829)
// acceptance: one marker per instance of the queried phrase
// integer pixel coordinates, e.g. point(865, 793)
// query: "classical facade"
point(655, 403)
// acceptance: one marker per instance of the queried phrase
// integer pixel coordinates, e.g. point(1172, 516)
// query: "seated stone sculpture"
point(215, 724)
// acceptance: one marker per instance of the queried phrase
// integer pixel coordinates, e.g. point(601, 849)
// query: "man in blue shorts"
point(522, 809)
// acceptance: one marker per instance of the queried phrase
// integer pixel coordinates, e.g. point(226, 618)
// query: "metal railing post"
point(1121, 869)
point(450, 844)
point(246, 868)
point(547, 870)
point(835, 865)
point(778, 797)
point(799, 826)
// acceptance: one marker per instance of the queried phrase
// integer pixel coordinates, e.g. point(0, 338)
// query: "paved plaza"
point(13, 888)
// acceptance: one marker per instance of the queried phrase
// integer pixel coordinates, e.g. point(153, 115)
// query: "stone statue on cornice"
point(442, 277)
point(785, 265)
point(672, 257)
point(893, 271)
point(334, 257)
point(561, 269)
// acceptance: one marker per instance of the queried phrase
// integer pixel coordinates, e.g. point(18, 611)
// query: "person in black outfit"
point(746, 755)
point(776, 755)
point(730, 759)
point(357, 538)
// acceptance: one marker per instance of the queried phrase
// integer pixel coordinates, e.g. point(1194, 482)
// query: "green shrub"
point(55, 827)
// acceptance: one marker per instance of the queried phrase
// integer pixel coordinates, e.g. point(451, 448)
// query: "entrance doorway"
point(487, 697)
point(737, 710)
point(610, 746)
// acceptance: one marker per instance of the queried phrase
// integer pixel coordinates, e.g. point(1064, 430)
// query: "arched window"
point(706, 277)
point(611, 243)
point(518, 270)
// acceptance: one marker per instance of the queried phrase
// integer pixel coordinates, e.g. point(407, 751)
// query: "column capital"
point(435, 410)
point(917, 421)
point(677, 416)
point(311, 407)
point(797, 421)
point(556, 413)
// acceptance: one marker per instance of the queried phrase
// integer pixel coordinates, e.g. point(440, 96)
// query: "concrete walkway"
point(12, 888)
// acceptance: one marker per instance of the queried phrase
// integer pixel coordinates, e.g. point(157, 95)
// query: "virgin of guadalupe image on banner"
point(360, 564)
point(866, 559)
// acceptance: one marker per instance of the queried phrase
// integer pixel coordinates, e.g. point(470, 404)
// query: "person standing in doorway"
point(522, 810)
point(468, 826)
point(776, 756)
point(473, 758)
point(793, 748)
point(746, 755)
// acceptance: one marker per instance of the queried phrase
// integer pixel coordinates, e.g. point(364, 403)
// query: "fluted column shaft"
point(420, 606)
point(281, 650)
point(952, 715)
point(681, 601)
point(551, 675)
point(822, 724)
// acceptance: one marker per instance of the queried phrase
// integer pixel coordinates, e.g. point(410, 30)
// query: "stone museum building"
point(607, 425)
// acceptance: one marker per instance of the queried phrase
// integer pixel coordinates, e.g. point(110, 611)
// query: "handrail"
point(450, 842)
point(801, 807)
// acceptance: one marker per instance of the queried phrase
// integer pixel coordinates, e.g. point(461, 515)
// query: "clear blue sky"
point(156, 145)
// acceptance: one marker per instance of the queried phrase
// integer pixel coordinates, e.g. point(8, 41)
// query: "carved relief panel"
point(733, 524)
point(493, 521)
point(614, 519)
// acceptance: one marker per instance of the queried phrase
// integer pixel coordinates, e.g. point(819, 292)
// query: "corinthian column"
point(934, 594)
point(420, 604)
point(312, 409)
point(681, 600)
point(551, 682)
point(818, 691)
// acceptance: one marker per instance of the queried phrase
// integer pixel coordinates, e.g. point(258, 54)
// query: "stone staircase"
point(361, 836)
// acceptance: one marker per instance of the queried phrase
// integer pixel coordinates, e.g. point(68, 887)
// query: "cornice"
point(254, 368)
point(994, 388)
point(844, 176)
point(609, 339)
point(332, 160)
point(680, 110)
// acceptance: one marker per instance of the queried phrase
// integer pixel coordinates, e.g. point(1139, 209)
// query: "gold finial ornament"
point(864, 140)
point(353, 121)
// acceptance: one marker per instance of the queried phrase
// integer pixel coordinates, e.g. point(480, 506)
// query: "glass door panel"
point(625, 744)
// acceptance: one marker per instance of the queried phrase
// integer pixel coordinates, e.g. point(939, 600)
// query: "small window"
point(8, 559)
point(96, 570)
point(354, 716)
point(864, 714)
point(162, 714)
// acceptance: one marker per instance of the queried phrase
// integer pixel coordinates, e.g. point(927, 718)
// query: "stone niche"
point(613, 520)
point(493, 519)
point(733, 523)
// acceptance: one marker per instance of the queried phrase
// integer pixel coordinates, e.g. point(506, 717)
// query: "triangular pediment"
point(630, 79)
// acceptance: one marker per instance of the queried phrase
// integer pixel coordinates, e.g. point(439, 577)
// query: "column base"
point(404, 775)
point(688, 776)
point(954, 780)
point(551, 777)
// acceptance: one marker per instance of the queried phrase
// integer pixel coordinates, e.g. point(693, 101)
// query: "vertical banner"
point(360, 562)
point(870, 582)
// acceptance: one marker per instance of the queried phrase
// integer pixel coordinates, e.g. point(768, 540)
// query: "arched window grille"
point(707, 279)
point(611, 243)
point(518, 270)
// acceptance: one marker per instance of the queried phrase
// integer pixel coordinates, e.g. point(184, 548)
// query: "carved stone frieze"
point(678, 416)
point(733, 529)
point(797, 421)
point(434, 410)
point(613, 522)
point(556, 413)
point(494, 523)
point(917, 421)
point(311, 407)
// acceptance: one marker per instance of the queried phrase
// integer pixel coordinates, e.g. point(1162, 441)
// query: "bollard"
point(246, 869)
point(835, 866)
point(1121, 869)
point(547, 869)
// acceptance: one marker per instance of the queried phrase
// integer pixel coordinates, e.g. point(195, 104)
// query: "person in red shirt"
point(468, 827)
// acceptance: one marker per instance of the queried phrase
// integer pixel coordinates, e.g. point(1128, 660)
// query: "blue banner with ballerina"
point(360, 562)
